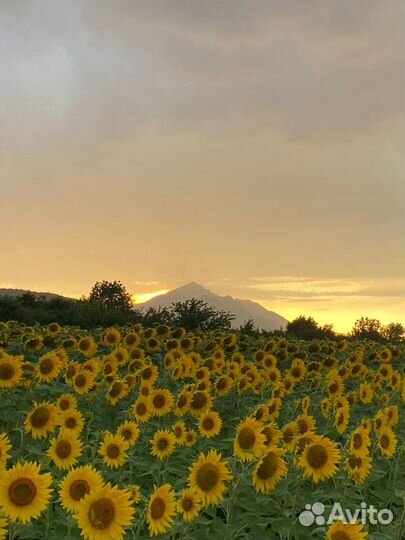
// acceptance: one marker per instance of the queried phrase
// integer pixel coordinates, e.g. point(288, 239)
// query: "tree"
point(249, 328)
point(307, 328)
point(365, 328)
point(197, 315)
point(393, 332)
point(111, 295)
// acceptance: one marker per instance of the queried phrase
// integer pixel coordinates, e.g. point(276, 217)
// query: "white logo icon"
point(312, 514)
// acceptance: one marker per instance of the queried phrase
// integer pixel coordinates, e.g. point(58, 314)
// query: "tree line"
point(109, 304)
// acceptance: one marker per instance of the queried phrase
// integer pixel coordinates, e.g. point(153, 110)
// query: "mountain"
point(242, 309)
point(14, 293)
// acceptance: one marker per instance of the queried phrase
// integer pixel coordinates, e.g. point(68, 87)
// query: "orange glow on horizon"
point(144, 297)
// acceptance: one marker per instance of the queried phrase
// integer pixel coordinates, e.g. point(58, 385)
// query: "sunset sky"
point(255, 147)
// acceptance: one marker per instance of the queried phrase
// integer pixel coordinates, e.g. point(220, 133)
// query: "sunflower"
point(161, 401)
point(65, 449)
point(87, 346)
point(142, 409)
point(200, 402)
point(73, 420)
point(24, 491)
point(105, 513)
point(135, 492)
point(117, 391)
point(120, 355)
point(183, 403)
point(111, 337)
point(149, 374)
point(132, 340)
point(161, 509)
point(387, 442)
point(335, 384)
point(342, 417)
point(83, 381)
point(298, 370)
point(49, 367)
point(189, 505)
point(358, 468)
point(273, 408)
point(249, 441)
point(163, 444)
point(366, 393)
point(290, 432)
point(207, 477)
point(346, 531)
point(179, 431)
point(66, 402)
point(392, 415)
point(5, 446)
point(42, 420)
point(270, 469)
point(210, 424)
point(223, 385)
point(320, 459)
point(305, 423)
point(113, 450)
point(360, 442)
point(129, 431)
point(190, 439)
point(77, 484)
point(272, 434)
point(11, 371)
point(325, 407)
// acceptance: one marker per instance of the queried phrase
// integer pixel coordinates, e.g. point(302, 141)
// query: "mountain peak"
point(242, 309)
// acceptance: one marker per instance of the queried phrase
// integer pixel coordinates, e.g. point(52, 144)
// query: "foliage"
point(307, 328)
point(111, 295)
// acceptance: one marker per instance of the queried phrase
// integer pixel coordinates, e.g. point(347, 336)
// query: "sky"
point(255, 147)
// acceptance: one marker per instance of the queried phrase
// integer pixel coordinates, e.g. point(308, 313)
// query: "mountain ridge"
point(243, 309)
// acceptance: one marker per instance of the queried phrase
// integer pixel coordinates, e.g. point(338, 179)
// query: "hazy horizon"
point(256, 148)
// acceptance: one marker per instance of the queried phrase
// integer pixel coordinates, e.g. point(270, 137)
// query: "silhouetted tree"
point(248, 328)
point(366, 328)
point(111, 295)
point(197, 315)
point(307, 328)
point(394, 332)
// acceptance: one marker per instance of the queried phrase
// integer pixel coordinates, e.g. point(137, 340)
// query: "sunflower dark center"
point(113, 451)
point(157, 508)
point(268, 467)
point(187, 505)
point(40, 417)
point(7, 371)
point(46, 366)
point(78, 489)
point(115, 389)
point(70, 422)
point(199, 400)
point(64, 404)
point(208, 423)
point(102, 513)
point(141, 409)
point(317, 456)
point(63, 449)
point(340, 535)
point(162, 444)
point(207, 477)
point(159, 401)
point(384, 441)
point(22, 491)
point(80, 380)
point(357, 441)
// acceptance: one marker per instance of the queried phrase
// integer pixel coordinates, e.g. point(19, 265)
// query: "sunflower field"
point(136, 432)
